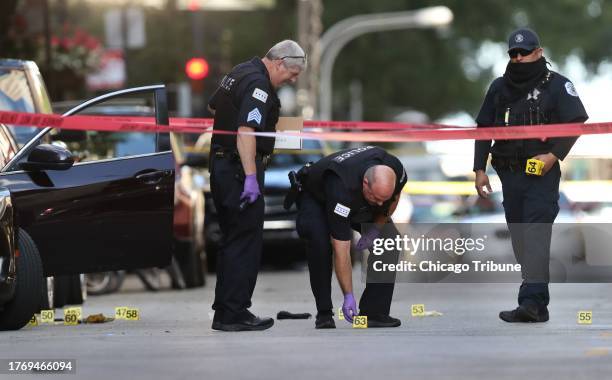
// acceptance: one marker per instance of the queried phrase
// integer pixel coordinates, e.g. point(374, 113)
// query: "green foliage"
point(423, 70)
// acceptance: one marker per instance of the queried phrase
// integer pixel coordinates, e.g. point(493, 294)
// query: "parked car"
point(188, 194)
point(109, 210)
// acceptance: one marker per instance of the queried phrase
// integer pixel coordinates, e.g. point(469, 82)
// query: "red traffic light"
point(196, 68)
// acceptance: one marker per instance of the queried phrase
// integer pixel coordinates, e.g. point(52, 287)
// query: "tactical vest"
point(228, 105)
point(535, 108)
point(350, 165)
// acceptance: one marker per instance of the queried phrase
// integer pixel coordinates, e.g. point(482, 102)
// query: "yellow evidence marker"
point(340, 314)
point(418, 310)
point(33, 321)
point(132, 314)
point(120, 312)
point(71, 317)
point(360, 322)
point(534, 167)
point(585, 317)
point(47, 316)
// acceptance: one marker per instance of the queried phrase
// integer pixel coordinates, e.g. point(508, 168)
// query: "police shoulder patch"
point(254, 115)
point(260, 95)
point(342, 210)
point(569, 87)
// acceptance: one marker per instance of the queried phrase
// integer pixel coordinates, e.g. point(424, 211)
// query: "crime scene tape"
point(401, 132)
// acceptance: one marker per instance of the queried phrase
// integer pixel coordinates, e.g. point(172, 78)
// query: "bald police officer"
point(340, 192)
point(245, 101)
point(528, 94)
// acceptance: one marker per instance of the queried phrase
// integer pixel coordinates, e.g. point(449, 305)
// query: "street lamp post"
point(332, 42)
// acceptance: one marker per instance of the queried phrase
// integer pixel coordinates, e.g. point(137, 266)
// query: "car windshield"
point(15, 96)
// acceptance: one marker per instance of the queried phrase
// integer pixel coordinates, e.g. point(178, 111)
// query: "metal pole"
point(332, 42)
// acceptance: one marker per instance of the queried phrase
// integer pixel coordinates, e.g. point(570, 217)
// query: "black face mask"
point(522, 78)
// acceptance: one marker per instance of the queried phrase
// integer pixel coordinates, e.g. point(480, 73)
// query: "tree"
point(7, 11)
point(425, 70)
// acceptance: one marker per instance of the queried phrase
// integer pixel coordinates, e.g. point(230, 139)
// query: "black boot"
point(525, 313)
point(325, 320)
point(383, 320)
point(246, 322)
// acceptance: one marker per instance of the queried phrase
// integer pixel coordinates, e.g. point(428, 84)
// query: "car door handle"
point(153, 178)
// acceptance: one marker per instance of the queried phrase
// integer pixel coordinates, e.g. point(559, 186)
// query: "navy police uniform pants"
point(239, 255)
point(312, 226)
point(531, 204)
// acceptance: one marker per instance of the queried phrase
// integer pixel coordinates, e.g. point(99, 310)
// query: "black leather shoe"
point(251, 323)
point(382, 320)
point(525, 313)
point(325, 321)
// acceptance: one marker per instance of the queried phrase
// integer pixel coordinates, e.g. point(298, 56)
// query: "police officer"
point(245, 101)
point(340, 192)
point(528, 94)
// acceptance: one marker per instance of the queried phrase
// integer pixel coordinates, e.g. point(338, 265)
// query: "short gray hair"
point(290, 52)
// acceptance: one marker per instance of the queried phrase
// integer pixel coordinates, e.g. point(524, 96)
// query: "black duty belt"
point(512, 164)
point(234, 155)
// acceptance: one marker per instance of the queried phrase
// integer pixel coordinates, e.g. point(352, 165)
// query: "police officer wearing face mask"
point(528, 94)
point(340, 192)
point(245, 101)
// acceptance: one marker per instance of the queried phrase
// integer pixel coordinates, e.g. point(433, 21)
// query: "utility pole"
point(309, 32)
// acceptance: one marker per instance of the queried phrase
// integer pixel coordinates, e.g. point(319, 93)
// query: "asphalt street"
point(173, 339)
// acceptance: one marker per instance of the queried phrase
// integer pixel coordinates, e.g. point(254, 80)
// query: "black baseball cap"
point(523, 38)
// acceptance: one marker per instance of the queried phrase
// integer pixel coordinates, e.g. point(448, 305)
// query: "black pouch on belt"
point(296, 180)
point(294, 190)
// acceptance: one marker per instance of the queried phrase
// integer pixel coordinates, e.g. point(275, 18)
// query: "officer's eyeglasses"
point(523, 52)
point(303, 57)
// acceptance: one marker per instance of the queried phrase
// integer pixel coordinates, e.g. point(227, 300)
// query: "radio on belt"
point(534, 167)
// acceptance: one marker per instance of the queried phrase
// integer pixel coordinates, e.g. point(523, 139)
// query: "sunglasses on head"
point(523, 52)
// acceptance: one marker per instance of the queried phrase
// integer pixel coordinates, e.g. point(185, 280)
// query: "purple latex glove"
point(349, 307)
point(251, 189)
point(367, 238)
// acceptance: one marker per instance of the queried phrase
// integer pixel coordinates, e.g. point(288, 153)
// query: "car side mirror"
point(48, 157)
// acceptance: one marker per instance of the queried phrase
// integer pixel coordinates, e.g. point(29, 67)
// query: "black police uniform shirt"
point(553, 101)
point(245, 97)
point(337, 181)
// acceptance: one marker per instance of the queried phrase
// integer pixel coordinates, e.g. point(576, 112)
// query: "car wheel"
point(190, 264)
point(28, 290)
point(104, 282)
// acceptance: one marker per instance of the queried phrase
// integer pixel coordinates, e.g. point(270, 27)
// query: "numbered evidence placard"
point(47, 316)
point(360, 322)
point(127, 313)
point(72, 315)
point(418, 310)
point(585, 317)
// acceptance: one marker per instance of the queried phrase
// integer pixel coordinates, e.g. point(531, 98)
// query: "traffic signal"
point(196, 68)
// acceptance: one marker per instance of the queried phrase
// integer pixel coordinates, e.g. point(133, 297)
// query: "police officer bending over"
point(245, 101)
point(340, 192)
point(528, 94)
